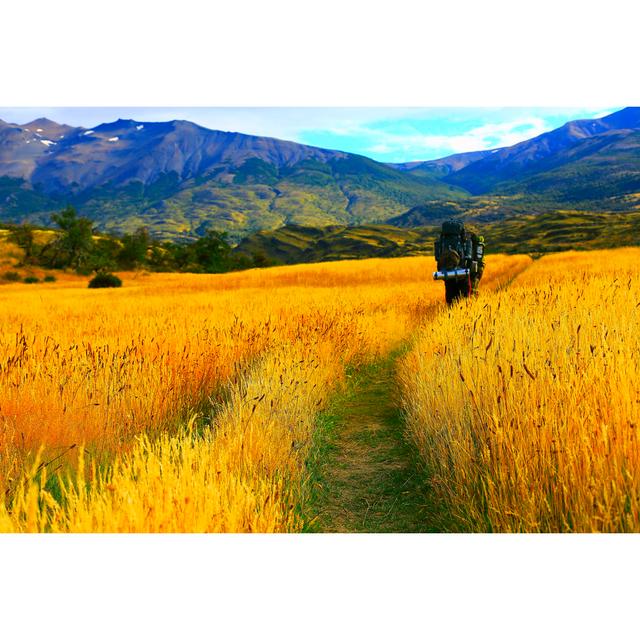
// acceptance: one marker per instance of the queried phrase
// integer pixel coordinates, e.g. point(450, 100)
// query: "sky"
point(386, 134)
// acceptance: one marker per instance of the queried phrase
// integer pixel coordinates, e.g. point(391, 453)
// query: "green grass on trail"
point(364, 476)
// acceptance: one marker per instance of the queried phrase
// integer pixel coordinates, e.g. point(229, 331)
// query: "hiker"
point(460, 259)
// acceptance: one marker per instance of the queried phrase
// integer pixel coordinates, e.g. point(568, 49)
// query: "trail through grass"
point(364, 475)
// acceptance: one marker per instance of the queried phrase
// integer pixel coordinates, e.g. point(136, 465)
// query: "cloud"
point(486, 136)
point(602, 114)
point(424, 134)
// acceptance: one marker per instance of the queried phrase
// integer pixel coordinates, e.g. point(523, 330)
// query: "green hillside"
point(253, 197)
point(590, 175)
point(525, 233)
point(294, 244)
point(563, 231)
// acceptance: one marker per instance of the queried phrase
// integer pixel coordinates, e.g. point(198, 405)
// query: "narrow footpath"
point(364, 476)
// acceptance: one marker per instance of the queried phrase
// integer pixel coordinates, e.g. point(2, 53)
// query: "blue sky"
point(388, 134)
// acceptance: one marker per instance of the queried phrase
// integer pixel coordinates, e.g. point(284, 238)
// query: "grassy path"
point(364, 476)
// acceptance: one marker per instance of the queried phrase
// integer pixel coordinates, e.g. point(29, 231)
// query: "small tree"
point(134, 249)
point(161, 256)
point(212, 252)
point(22, 235)
point(104, 256)
point(74, 246)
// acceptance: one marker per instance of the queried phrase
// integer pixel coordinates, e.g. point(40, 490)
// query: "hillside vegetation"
point(525, 233)
point(180, 180)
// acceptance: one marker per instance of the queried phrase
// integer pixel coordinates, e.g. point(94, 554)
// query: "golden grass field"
point(525, 403)
point(187, 402)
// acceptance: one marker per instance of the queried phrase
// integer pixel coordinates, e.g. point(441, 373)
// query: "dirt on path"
point(364, 476)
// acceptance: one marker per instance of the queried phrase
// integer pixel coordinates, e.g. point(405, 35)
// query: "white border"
point(285, 53)
point(338, 52)
point(319, 586)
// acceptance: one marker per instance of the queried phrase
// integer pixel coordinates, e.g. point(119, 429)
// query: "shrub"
point(30, 280)
point(49, 278)
point(11, 276)
point(103, 280)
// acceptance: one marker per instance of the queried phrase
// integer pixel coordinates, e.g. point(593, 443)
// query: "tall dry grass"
point(525, 404)
point(277, 340)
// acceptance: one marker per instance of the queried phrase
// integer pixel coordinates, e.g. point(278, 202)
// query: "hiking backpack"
point(458, 248)
point(451, 247)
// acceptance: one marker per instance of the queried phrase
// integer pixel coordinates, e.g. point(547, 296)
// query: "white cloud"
point(381, 148)
point(487, 136)
point(602, 114)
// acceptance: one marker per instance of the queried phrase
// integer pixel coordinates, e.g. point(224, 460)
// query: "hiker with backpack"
point(460, 258)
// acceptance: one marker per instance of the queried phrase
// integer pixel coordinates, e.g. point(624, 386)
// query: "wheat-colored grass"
point(118, 371)
point(525, 404)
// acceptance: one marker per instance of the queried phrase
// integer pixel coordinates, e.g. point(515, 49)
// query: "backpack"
point(453, 246)
point(458, 248)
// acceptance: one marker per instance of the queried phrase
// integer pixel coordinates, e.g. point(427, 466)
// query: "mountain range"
point(180, 179)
